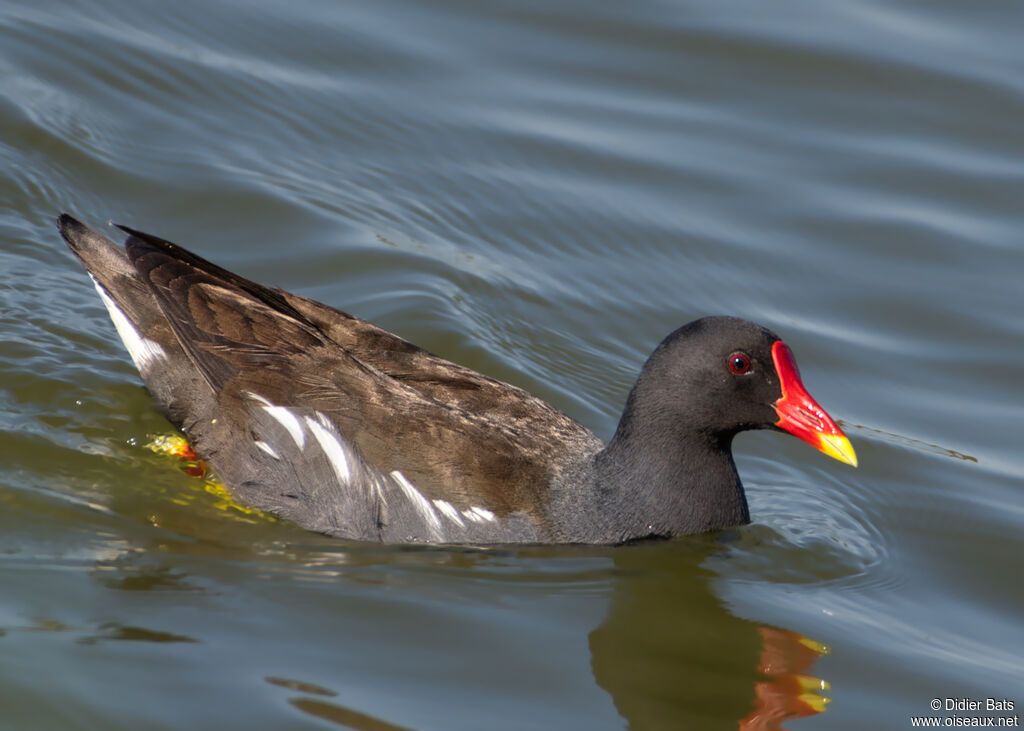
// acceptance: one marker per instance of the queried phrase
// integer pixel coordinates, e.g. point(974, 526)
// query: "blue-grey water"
point(540, 191)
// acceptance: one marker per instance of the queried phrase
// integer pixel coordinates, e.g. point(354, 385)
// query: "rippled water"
point(539, 191)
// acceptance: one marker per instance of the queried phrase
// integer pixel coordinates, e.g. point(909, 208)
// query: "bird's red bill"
point(800, 415)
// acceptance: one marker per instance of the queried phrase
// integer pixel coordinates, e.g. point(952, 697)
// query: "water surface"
point(540, 192)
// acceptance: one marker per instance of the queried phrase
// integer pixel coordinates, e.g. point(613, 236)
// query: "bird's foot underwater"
point(176, 445)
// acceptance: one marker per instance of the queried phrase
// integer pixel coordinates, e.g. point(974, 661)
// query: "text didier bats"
point(989, 704)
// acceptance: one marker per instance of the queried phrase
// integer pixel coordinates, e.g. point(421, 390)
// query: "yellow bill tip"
point(838, 447)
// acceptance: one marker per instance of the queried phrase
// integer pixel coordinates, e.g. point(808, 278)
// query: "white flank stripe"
point(284, 417)
point(483, 513)
point(144, 352)
point(449, 511)
point(417, 499)
point(378, 488)
point(290, 422)
point(472, 517)
point(268, 449)
point(332, 448)
point(257, 397)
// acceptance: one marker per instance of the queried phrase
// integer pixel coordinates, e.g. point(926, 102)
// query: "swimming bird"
point(331, 422)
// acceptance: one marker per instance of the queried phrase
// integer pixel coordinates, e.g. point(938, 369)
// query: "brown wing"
point(457, 435)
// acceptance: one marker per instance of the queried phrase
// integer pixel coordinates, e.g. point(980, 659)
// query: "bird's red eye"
point(739, 363)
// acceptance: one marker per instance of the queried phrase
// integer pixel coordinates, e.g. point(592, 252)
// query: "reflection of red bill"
point(788, 690)
point(800, 415)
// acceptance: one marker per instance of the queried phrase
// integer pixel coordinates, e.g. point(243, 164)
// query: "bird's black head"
point(718, 376)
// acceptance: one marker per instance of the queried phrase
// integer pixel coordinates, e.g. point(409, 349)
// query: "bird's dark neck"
point(668, 481)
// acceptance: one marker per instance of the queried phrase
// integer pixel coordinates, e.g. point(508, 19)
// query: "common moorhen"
point(331, 422)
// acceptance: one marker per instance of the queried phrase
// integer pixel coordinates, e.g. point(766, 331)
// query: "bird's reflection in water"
point(673, 656)
point(669, 652)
